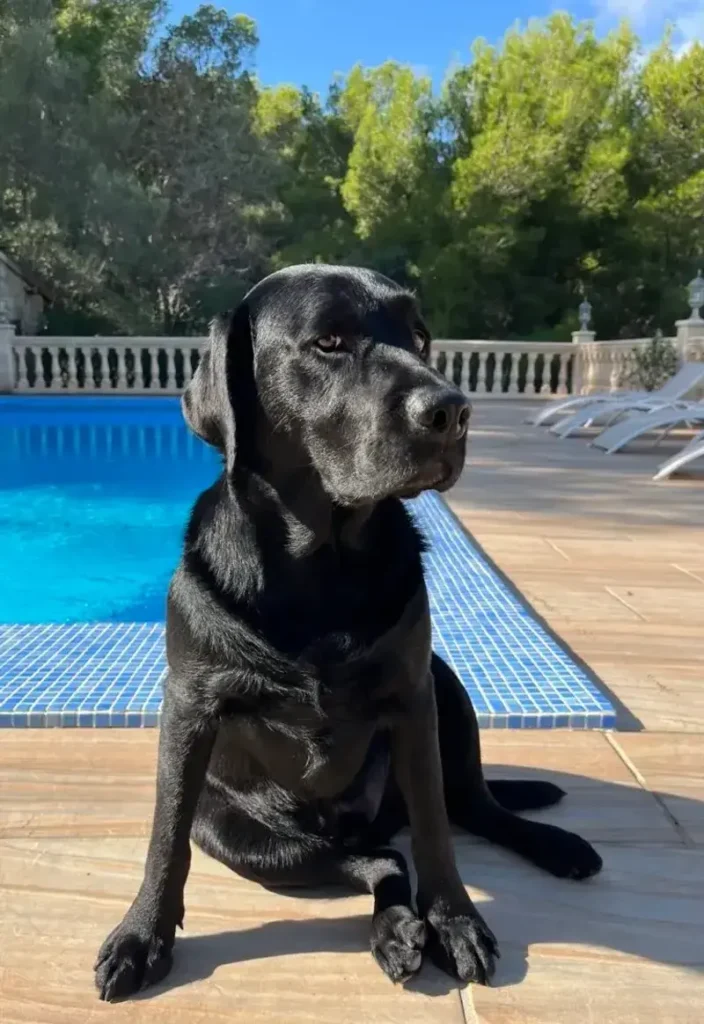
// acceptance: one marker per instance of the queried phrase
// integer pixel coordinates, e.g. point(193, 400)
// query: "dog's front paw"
point(398, 938)
point(132, 958)
point(462, 944)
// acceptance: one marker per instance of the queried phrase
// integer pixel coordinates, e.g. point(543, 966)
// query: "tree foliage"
point(151, 178)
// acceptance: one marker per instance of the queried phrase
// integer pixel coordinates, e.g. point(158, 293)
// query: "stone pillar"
point(7, 361)
point(688, 331)
point(580, 338)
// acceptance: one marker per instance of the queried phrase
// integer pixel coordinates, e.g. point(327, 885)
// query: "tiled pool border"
point(109, 675)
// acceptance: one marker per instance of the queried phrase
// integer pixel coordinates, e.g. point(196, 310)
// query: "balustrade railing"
point(121, 365)
point(507, 369)
point(165, 365)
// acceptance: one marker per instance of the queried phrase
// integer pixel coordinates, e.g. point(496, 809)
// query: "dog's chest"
point(333, 615)
point(315, 749)
point(313, 734)
point(337, 694)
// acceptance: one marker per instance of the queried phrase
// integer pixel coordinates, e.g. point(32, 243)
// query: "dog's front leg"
point(459, 940)
point(138, 952)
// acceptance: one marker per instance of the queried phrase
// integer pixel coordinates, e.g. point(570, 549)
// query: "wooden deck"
point(616, 566)
point(613, 562)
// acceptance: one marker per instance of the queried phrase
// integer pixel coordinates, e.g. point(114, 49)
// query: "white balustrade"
point(506, 369)
point(606, 365)
point(483, 369)
point(122, 365)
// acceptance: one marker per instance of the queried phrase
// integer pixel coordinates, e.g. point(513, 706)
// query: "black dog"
point(305, 718)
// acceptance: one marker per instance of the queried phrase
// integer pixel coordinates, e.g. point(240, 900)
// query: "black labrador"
point(305, 718)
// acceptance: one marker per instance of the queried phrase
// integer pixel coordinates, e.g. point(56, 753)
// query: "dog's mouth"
point(439, 479)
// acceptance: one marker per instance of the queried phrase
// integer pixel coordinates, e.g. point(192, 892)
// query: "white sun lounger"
point(670, 396)
point(691, 451)
point(686, 378)
point(570, 403)
point(663, 420)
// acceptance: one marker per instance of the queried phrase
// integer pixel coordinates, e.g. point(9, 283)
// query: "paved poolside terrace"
point(614, 565)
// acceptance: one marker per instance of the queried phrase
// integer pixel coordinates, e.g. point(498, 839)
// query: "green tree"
point(665, 227)
point(139, 201)
point(310, 146)
point(539, 180)
point(147, 174)
point(109, 36)
point(62, 191)
point(197, 155)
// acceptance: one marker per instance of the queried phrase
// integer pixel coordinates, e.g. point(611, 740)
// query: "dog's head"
point(328, 367)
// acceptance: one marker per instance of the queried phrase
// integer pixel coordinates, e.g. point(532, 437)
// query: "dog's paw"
point(131, 959)
point(462, 945)
point(567, 855)
point(397, 941)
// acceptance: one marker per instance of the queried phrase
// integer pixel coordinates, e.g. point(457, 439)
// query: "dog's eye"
point(333, 343)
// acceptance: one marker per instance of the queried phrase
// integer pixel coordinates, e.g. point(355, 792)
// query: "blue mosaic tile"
point(516, 673)
point(90, 675)
point(109, 674)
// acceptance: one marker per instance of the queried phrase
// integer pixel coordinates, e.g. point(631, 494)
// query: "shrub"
point(653, 365)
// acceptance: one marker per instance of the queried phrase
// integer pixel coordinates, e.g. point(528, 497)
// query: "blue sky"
point(307, 41)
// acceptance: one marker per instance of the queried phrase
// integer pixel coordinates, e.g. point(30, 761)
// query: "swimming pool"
point(94, 495)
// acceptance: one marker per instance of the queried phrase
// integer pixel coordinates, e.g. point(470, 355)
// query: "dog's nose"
point(442, 412)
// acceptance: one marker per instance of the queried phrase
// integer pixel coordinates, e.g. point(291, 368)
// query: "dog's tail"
point(524, 794)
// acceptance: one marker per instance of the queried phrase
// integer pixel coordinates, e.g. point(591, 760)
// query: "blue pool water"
point(94, 496)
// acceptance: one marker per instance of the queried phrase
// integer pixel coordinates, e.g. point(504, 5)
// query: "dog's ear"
point(224, 375)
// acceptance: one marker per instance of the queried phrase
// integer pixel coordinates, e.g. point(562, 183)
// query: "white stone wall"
point(18, 300)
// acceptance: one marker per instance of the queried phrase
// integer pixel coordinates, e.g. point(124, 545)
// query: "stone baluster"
point(187, 366)
point(22, 378)
point(102, 379)
point(91, 370)
point(121, 353)
point(482, 388)
point(464, 372)
point(72, 367)
point(530, 375)
point(154, 368)
point(561, 383)
point(514, 365)
point(170, 368)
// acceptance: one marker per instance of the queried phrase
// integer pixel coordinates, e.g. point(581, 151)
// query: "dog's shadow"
point(630, 908)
